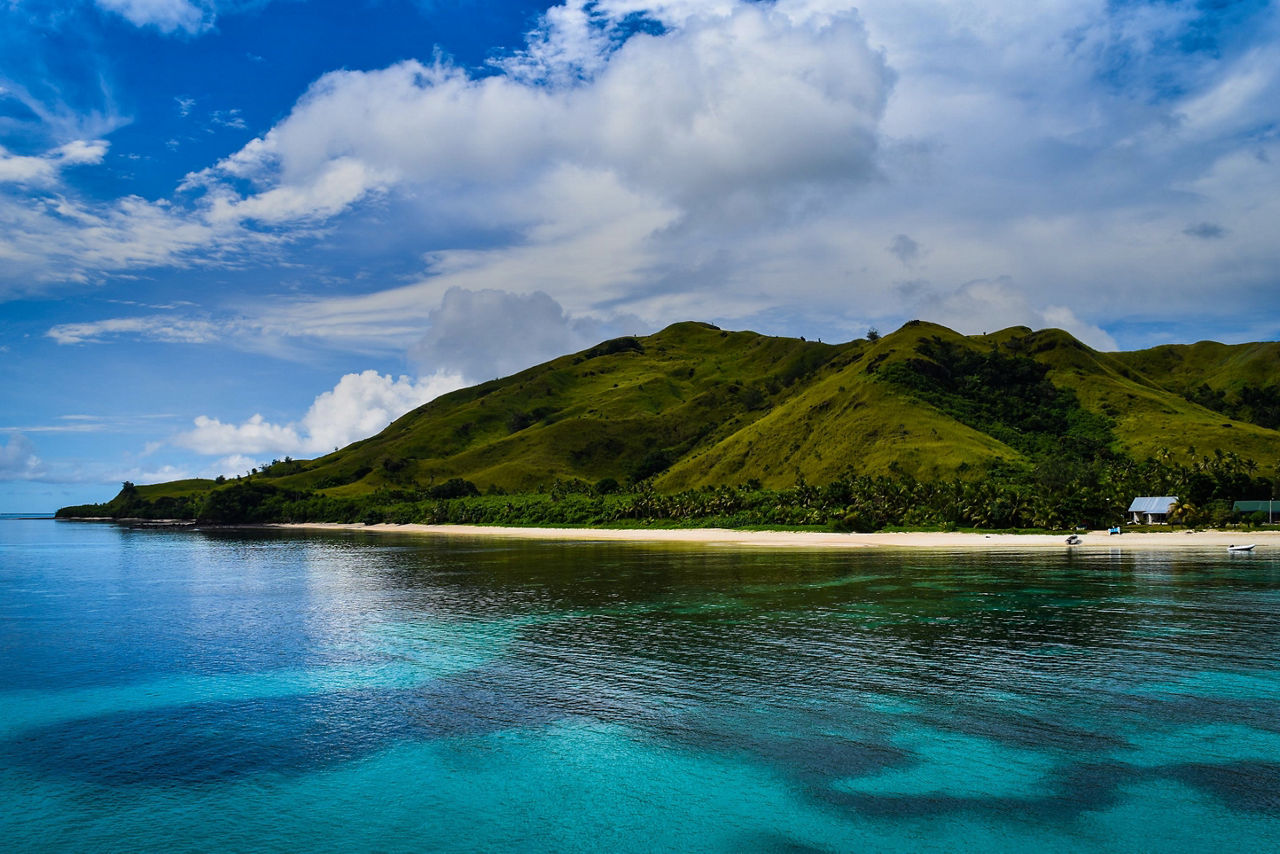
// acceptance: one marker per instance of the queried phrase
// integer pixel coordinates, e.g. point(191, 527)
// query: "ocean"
point(183, 690)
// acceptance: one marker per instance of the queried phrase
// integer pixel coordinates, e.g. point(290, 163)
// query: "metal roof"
point(1255, 506)
point(1152, 503)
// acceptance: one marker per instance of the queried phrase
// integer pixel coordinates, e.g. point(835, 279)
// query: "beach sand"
point(1092, 540)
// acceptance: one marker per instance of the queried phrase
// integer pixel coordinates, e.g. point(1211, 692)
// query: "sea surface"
point(179, 690)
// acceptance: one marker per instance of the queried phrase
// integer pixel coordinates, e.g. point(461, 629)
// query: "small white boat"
point(1073, 540)
point(1235, 548)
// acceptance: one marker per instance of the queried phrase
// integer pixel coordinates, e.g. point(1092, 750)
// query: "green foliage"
point(454, 487)
point(518, 421)
point(340, 478)
point(754, 397)
point(801, 364)
point(1250, 403)
point(1053, 495)
point(611, 347)
point(394, 465)
point(653, 463)
point(1008, 397)
point(247, 502)
point(83, 511)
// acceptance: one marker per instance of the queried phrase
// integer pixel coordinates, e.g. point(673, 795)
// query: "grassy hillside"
point(1240, 381)
point(695, 406)
point(626, 409)
point(846, 419)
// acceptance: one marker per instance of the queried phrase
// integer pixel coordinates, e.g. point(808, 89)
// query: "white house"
point(1151, 509)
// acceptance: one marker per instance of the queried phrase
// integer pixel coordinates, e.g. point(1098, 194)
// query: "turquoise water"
point(241, 691)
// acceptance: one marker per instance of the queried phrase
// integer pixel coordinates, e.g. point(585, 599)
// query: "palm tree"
point(1182, 511)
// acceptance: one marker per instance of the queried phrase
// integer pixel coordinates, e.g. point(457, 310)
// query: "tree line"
point(1050, 495)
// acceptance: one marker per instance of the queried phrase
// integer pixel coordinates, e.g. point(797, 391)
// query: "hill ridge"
point(694, 405)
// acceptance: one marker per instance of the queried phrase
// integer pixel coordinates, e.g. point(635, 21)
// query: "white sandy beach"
point(1093, 540)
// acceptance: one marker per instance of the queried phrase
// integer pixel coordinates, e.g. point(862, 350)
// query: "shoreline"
point(1091, 540)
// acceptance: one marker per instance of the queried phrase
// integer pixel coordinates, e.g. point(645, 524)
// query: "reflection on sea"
point(568, 695)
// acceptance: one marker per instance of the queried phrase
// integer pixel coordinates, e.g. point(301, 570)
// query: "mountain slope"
point(694, 406)
point(846, 420)
point(625, 409)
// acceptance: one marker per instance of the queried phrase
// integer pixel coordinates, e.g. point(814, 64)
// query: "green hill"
point(695, 406)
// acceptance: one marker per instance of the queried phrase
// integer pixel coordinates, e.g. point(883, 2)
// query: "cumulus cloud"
point(743, 100)
point(43, 170)
point(25, 169)
point(356, 408)
point(255, 435)
point(739, 161)
point(615, 164)
point(18, 460)
point(232, 465)
point(987, 306)
point(484, 334)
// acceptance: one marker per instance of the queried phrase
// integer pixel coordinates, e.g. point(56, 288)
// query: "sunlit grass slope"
point(694, 405)
point(1141, 392)
point(845, 420)
point(1182, 367)
point(627, 408)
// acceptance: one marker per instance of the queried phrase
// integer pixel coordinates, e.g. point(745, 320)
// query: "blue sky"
point(234, 231)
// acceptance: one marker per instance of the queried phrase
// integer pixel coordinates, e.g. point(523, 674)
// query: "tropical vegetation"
point(698, 425)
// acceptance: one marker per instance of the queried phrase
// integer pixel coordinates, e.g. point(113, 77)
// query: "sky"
point(237, 230)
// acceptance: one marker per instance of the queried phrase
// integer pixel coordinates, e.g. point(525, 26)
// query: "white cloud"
point(750, 99)
point(93, 424)
point(53, 237)
point(43, 170)
point(82, 151)
point(228, 119)
point(19, 169)
point(177, 17)
point(359, 406)
point(167, 16)
point(748, 160)
point(987, 306)
point(641, 159)
point(255, 435)
point(135, 473)
point(232, 466)
point(156, 328)
point(18, 460)
point(339, 184)
point(362, 404)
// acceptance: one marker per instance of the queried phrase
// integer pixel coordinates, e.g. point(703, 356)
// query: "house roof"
point(1255, 506)
point(1152, 503)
